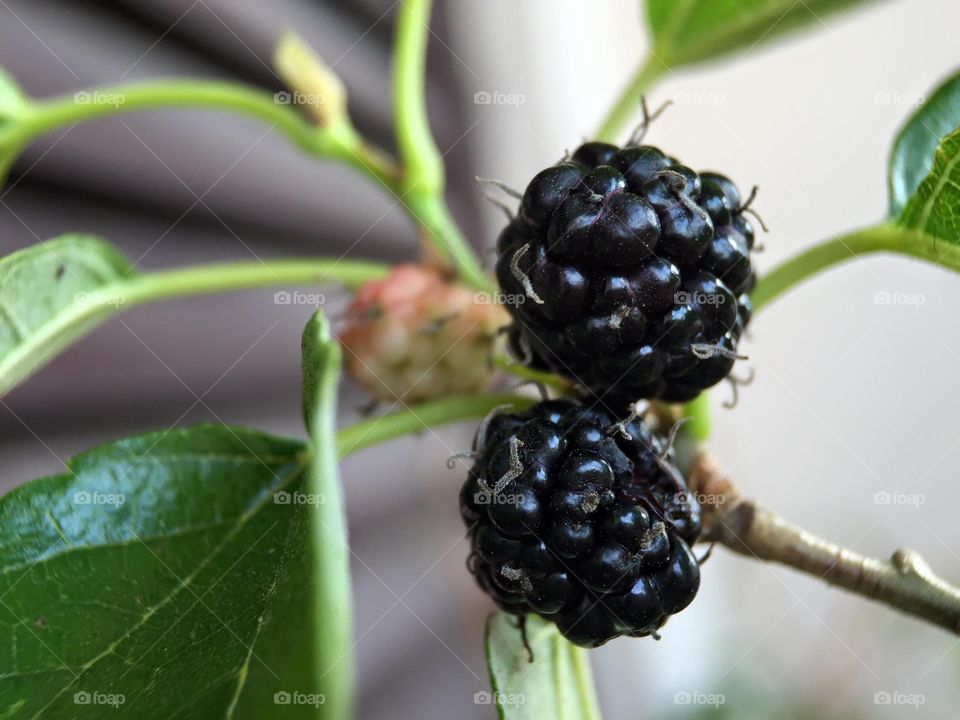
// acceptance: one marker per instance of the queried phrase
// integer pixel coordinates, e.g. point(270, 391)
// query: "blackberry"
point(583, 521)
point(635, 273)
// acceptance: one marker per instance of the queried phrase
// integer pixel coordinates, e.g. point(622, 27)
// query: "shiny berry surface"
point(584, 522)
point(630, 267)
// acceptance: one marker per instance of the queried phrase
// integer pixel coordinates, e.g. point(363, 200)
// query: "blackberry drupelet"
point(634, 271)
point(581, 520)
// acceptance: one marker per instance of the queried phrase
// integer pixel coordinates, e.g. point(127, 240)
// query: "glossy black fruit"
point(586, 523)
point(633, 273)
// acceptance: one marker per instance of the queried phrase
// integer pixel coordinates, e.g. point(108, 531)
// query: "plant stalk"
point(422, 164)
point(46, 115)
point(698, 410)
point(332, 609)
point(904, 582)
point(885, 237)
point(423, 417)
point(417, 187)
point(423, 182)
point(85, 314)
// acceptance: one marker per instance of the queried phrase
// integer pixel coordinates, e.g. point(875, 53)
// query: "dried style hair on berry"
point(636, 271)
point(582, 518)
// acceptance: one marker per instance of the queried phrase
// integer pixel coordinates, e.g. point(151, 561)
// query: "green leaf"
point(913, 151)
point(144, 577)
point(557, 685)
point(306, 641)
point(691, 31)
point(51, 294)
point(934, 209)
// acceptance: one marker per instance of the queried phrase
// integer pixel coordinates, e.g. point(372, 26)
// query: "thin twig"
point(905, 582)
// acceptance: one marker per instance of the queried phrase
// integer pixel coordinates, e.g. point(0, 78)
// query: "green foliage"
point(150, 571)
point(924, 173)
point(934, 209)
point(913, 151)
point(52, 293)
point(924, 177)
point(692, 31)
point(556, 685)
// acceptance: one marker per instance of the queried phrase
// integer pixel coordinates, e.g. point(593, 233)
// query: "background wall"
point(852, 397)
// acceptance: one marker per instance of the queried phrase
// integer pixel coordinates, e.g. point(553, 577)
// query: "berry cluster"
point(635, 270)
point(413, 336)
point(581, 519)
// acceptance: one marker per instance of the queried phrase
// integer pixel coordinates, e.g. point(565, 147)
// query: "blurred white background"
point(851, 397)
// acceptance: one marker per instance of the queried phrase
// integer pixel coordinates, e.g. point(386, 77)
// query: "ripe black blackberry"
point(634, 271)
point(583, 521)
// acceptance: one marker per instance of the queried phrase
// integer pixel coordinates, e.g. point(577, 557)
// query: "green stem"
point(421, 417)
point(419, 187)
point(423, 179)
point(225, 277)
point(587, 693)
point(423, 166)
point(416, 187)
point(431, 212)
point(699, 410)
point(885, 237)
point(543, 377)
point(629, 100)
point(85, 314)
point(44, 116)
point(332, 606)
